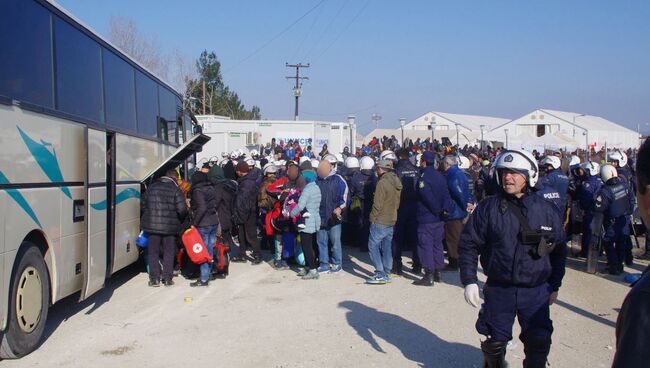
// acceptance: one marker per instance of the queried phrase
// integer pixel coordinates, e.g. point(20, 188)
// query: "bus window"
point(119, 92)
point(78, 73)
point(26, 62)
point(168, 115)
point(147, 101)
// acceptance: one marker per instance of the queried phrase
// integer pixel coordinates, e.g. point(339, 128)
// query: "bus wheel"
point(29, 301)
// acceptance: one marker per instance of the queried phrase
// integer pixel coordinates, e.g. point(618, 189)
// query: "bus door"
point(97, 206)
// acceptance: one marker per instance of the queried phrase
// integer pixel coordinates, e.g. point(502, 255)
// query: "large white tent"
point(563, 130)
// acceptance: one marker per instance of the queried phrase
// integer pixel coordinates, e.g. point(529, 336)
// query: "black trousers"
point(167, 245)
point(309, 248)
point(248, 237)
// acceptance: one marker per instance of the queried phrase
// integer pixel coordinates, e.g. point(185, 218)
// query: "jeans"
point(380, 248)
point(333, 234)
point(209, 236)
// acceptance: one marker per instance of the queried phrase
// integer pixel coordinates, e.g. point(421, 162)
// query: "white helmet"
point(575, 160)
point(254, 153)
point(366, 163)
point(590, 167)
point(418, 159)
point(619, 157)
point(339, 157)
point(388, 155)
point(554, 161)
point(281, 163)
point(463, 162)
point(223, 162)
point(234, 155)
point(224, 154)
point(270, 168)
point(607, 172)
point(250, 162)
point(352, 162)
point(213, 160)
point(518, 160)
point(330, 158)
point(302, 159)
point(314, 163)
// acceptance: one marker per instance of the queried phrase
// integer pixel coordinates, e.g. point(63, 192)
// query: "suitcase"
point(194, 246)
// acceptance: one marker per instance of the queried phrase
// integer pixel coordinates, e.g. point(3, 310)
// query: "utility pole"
point(204, 97)
point(297, 90)
point(376, 118)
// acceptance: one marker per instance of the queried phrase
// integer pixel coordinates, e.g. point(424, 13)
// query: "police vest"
point(620, 205)
point(470, 182)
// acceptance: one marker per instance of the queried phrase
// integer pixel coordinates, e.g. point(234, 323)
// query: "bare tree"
point(143, 48)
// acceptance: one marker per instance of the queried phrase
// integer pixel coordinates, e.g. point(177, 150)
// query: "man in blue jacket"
point(405, 236)
point(514, 233)
point(555, 177)
point(462, 198)
point(333, 200)
point(432, 208)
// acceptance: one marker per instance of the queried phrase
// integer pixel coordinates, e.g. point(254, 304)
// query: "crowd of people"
point(450, 206)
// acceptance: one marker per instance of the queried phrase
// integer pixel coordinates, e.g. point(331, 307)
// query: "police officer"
point(514, 233)
point(586, 196)
point(406, 228)
point(362, 189)
point(434, 203)
point(555, 177)
point(614, 205)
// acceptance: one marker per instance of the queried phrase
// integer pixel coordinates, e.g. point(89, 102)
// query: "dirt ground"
point(260, 317)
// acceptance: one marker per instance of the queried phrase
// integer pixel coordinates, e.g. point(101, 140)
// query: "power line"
point(308, 33)
point(344, 30)
point(256, 51)
point(329, 25)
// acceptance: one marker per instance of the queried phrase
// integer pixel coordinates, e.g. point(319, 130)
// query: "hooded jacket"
point(387, 199)
point(245, 200)
point(203, 202)
point(225, 191)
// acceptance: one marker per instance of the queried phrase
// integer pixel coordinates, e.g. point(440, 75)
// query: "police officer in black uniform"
point(613, 207)
point(406, 228)
point(514, 232)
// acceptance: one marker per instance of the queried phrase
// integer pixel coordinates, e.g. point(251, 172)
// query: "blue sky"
point(404, 58)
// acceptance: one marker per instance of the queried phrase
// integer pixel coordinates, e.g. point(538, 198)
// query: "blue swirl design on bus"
point(19, 199)
point(119, 198)
point(46, 160)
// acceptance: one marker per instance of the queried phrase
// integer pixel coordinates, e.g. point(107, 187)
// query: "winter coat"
point(460, 194)
point(245, 200)
point(333, 194)
point(387, 197)
point(203, 202)
point(163, 208)
point(434, 201)
point(310, 199)
point(493, 232)
point(265, 202)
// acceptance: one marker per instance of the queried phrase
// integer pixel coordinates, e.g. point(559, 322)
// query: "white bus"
point(82, 126)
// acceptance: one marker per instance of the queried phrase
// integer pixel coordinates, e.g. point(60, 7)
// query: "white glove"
point(472, 296)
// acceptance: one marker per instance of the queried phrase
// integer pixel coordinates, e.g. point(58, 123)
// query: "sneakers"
point(311, 275)
point(154, 283)
point(306, 215)
point(324, 269)
point(303, 271)
point(199, 283)
point(335, 269)
point(256, 260)
point(301, 226)
point(280, 265)
point(377, 280)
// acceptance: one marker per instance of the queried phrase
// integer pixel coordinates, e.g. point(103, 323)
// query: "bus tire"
point(29, 301)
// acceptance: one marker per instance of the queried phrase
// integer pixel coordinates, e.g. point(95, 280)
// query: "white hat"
point(518, 160)
point(607, 172)
point(366, 163)
point(352, 162)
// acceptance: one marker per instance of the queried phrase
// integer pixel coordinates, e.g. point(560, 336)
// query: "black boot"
point(426, 280)
point(629, 258)
point(437, 276)
point(494, 353)
point(397, 266)
point(417, 269)
point(536, 349)
point(453, 265)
